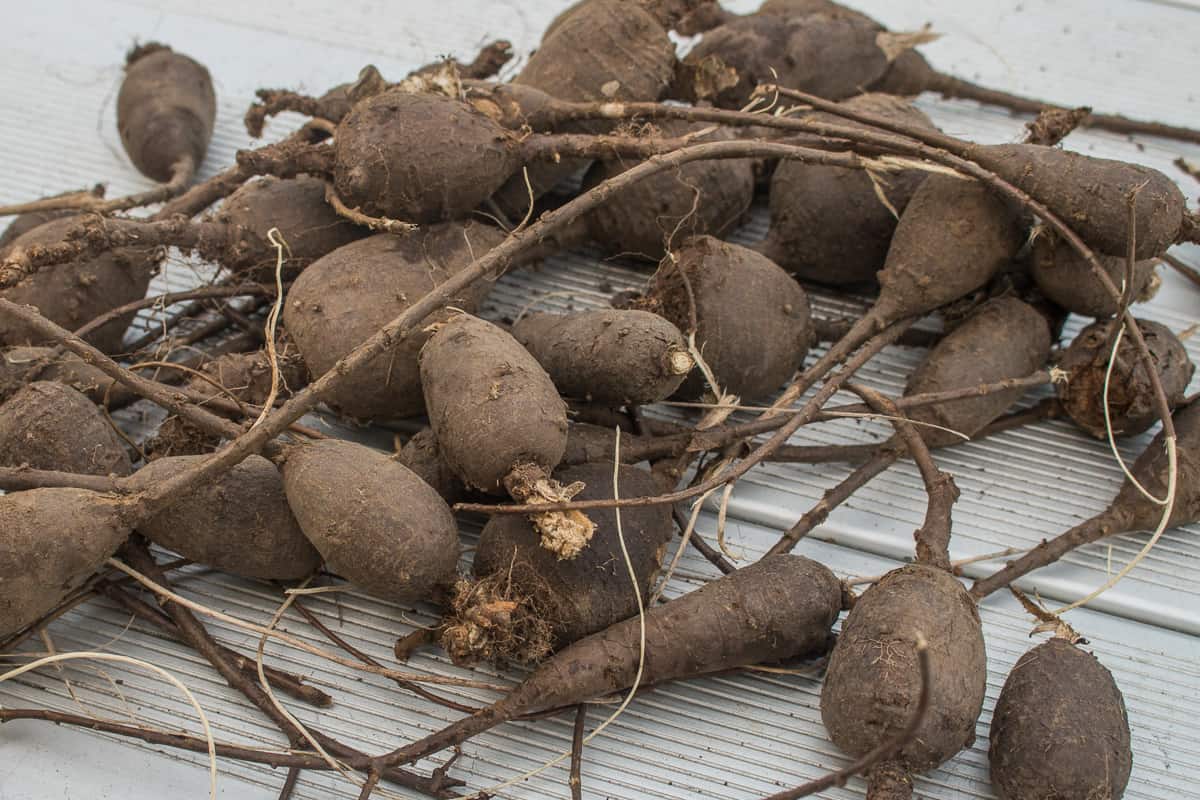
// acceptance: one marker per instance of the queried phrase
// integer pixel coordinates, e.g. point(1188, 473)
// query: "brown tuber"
point(778, 608)
point(21, 365)
point(872, 682)
point(608, 356)
point(52, 540)
point(1066, 279)
point(831, 224)
point(165, 112)
point(1059, 731)
point(296, 206)
point(499, 422)
point(419, 157)
point(525, 602)
point(48, 425)
point(704, 197)
point(374, 521)
point(1004, 338)
point(752, 320)
point(76, 292)
point(344, 297)
point(239, 523)
point(1131, 403)
point(604, 50)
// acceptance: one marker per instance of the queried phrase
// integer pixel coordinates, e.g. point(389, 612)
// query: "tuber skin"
point(1059, 730)
point(52, 540)
point(343, 298)
point(49, 425)
point(752, 320)
point(1131, 402)
point(608, 356)
point(27, 222)
point(828, 224)
point(867, 57)
point(491, 405)
point(525, 603)
point(1093, 193)
point(165, 112)
point(236, 237)
point(239, 523)
point(1130, 510)
point(780, 607)
point(871, 683)
point(422, 455)
point(463, 157)
point(1067, 279)
point(604, 50)
point(499, 422)
point(245, 378)
point(1004, 338)
point(831, 53)
point(297, 207)
point(701, 198)
point(952, 239)
point(22, 365)
point(76, 292)
point(373, 520)
point(585, 443)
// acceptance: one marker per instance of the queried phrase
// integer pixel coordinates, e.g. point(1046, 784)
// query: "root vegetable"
point(380, 135)
point(1004, 338)
point(296, 207)
point(165, 112)
point(344, 297)
point(1131, 402)
point(76, 292)
point(49, 425)
point(830, 53)
point(237, 237)
point(704, 197)
point(1060, 730)
point(1066, 279)
point(752, 320)
point(524, 602)
point(604, 50)
point(240, 523)
point(777, 608)
point(51, 541)
point(422, 455)
point(499, 422)
point(1130, 510)
point(953, 237)
point(21, 365)
point(741, 49)
point(812, 205)
point(1093, 193)
point(247, 376)
point(872, 682)
point(373, 520)
point(608, 356)
point(27, 222)
point(242, 377)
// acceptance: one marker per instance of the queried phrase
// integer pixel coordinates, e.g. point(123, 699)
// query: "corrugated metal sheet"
point(736, 736)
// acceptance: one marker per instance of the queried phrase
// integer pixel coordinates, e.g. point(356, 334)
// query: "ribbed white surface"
point(737, 736)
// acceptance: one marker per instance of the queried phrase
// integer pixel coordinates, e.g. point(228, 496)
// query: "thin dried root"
point(356, 216)
point(564, 533)
point(93, 202)
point(488, 622)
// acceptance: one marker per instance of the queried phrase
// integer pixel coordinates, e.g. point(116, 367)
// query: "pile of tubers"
point(387, 219)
